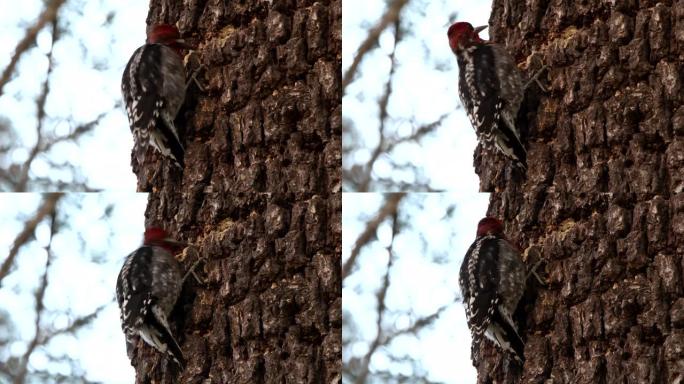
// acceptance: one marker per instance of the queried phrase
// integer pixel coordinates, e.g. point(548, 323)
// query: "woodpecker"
point(147, 289)
point(491, 90)
point(492, 280)
point(153, 89)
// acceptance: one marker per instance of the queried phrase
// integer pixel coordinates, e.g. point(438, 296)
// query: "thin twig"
point(47, 208)
point(417, 134)
point(389, 208)
point(383, 115)
point(40, 307)
point(49, 15)
point(391, 16)
point(80, 130)
point(40, 117)
point(381, 308)
point(421, 322)
point(76, 324)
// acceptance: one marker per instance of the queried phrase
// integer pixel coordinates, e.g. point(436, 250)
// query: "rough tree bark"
point(603, 201)
point(259, 198)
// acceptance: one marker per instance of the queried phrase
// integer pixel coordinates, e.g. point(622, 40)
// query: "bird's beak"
point(172, 241)
point(182, 44)
point(480, 28)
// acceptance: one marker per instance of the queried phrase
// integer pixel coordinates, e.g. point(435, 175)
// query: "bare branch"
point(43, 334)
point(47, 208)
point(390, 377)
point(389, 208)
point(389, 184)
point(391, 16)
point(357, 367)
point(422, 322)
point(417, 134)
point(381, 308)
point(361, 176)
point(76, 133)
point(40, 117)
point(76, 324)
point(49, 15)
point(40, 307)
point(382, 104)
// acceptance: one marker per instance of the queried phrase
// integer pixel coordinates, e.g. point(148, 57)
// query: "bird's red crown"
point(162, 34)
point(168, 35)
point(155, 235)
point(489, 226)
point(160, 238)
point(462, 34)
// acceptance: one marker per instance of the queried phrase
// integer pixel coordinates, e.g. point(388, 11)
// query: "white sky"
point(420, 91)
point(423, 93)
point(417, 283)
point(76, 284)
point(76, 89)
point(82, 93)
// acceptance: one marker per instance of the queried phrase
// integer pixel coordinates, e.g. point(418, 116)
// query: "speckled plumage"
point(153, 90)
point(147, 289)
point(492, 281)
point(491, 91)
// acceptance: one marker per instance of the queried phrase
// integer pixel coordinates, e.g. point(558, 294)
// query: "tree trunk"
point(602, 203)
point(259, 198)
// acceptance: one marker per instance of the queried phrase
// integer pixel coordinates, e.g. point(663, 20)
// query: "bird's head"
point(489, 226)
point(158, 237)
point(462, 34)
point(166, 34)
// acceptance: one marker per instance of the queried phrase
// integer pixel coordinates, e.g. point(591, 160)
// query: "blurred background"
point(403, 320)
point(63, 128)
point(59, 321)
point(62, 124)
point(404, 130)
point(403, 126)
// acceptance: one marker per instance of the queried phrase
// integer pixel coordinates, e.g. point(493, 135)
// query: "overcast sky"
point(418, 284)
point(88, 253)
point(82, 92)
point(425, 88)
point(89, 59)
